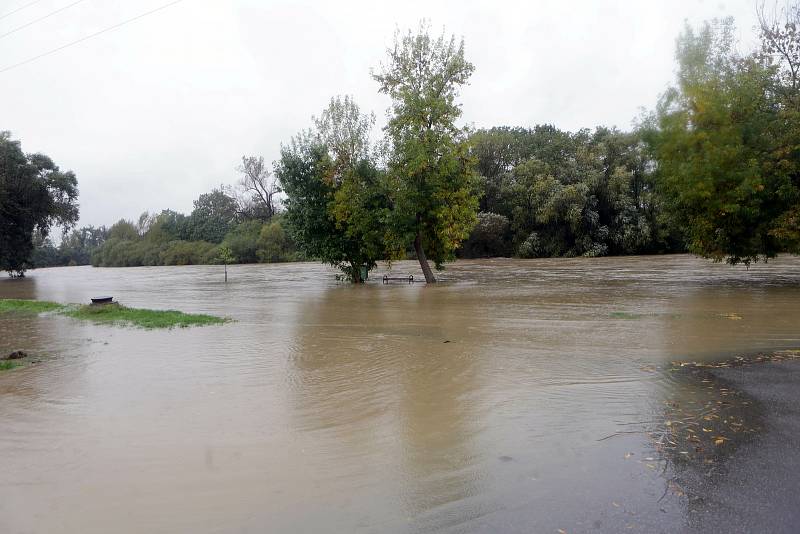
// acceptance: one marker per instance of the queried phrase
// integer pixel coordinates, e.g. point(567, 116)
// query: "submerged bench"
point(387, 279)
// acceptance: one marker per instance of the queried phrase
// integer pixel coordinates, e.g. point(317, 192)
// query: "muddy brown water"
point(475, 405)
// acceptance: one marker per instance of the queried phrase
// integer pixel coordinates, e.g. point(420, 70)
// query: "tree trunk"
point(423, 261)
point(355, 273)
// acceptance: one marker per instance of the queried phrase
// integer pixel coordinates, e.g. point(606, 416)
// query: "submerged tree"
point(335, 205)
point(432, 184)
point(35, 195)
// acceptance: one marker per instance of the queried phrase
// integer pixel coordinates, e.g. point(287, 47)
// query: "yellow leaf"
point(719, 441)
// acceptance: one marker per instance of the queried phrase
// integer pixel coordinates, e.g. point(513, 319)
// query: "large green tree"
point(727, 140)
point(35, 195)
point(335, 204)
point(432, 183)
point(214, 215)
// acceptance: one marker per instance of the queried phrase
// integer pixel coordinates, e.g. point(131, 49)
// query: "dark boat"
point(102, 300)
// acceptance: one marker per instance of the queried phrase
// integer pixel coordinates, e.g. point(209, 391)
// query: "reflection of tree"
point(383, 384)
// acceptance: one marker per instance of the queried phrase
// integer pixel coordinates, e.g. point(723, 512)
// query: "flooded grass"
point(122, 315)
point(28, 306)
point(625, 315)
point(114, 314)
point(7, 366)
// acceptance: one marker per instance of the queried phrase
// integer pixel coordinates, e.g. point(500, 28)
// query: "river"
point(476, 405)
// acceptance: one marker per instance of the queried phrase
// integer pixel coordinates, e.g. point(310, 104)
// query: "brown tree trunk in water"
point(423, 261)
point(355, 271)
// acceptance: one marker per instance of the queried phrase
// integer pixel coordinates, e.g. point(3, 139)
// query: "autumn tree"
point(431, 179)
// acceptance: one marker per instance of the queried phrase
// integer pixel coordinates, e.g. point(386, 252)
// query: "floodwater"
point(477, 405)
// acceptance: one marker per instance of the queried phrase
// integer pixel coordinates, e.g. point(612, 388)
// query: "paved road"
point(760, 490)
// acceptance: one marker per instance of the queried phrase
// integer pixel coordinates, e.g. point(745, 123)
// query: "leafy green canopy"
point(34, 196)
point(727, 139)
point(431, 179)
point(335, 205)
point(587, 193)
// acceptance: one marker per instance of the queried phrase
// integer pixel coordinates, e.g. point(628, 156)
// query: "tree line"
point(234, 224)
point(713, 169)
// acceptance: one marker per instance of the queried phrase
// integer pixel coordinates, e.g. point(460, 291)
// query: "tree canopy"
point(334, 202)
point(727, 143)
point(431, 179)
point(35, 195)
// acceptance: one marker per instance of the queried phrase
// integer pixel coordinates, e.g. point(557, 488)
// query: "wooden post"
point(226, 273)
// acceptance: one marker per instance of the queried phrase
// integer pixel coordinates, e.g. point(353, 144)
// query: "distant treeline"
point(545, 192)
point(239, 224)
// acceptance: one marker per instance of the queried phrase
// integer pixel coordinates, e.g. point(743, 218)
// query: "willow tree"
point(431, 179)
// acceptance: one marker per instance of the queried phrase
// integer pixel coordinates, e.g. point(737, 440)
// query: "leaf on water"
point(707, 429)
point(628, 455)
point(615, 504)
point(719, 441)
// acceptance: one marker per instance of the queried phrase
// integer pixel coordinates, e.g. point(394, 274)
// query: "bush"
point(187, 253)
point(531, 247)
point(243, 241)
point(489, 238)
point(274, 245)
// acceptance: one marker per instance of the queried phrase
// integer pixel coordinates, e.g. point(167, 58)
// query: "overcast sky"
point(153, 113)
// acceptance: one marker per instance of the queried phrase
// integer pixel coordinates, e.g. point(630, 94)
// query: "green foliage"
point(162, 240)
point(242, 242)
point(225, 255)
point(214, 215)
point(335, 201)
point(727, 138)
point(434, 189)
point(573, 194)
point(274, 244)
point(188, 253)
point(34, 196)
point(489, 238)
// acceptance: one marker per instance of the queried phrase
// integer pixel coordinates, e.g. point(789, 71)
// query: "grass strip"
point(113, 314)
